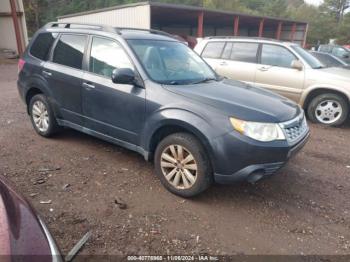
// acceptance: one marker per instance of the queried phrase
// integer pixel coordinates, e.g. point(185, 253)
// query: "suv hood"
point(240, 100)
point(332, 73)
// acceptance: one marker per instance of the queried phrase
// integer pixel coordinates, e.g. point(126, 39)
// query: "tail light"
point(21, 64)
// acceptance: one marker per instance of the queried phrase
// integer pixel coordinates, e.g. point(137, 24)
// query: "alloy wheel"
point(179, 166)
point(328, 111)
point(40, 116)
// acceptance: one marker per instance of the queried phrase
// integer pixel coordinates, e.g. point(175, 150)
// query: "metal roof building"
point(13, 26)
point(195, 21)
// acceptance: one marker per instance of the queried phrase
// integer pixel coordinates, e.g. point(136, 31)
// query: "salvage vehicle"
point(330, 60)
point(23, 234)
point(148, 92)
point(285, 68)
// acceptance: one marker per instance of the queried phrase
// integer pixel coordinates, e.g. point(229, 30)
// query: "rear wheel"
point(182, 165)
point(328, 109)
point(42, 117)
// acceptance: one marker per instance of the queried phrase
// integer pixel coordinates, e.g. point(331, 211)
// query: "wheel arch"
point(319, 91)
point(177, 126)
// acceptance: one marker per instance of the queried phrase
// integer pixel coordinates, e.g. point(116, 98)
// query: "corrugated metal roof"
point(180, 7)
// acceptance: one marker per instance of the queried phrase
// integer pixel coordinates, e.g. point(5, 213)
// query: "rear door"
point(212, 53)
point(64, 74)
point(116, 110)
point(239, 61)
point(275, 72)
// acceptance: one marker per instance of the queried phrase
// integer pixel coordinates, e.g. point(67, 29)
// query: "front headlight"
point(264, 132)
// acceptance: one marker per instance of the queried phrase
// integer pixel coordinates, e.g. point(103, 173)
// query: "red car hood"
point(21, 232)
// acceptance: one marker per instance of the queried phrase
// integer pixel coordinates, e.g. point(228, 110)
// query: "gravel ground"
point(304, 209)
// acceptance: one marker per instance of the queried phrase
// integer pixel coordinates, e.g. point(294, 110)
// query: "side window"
point(339, 51)
point(276, 56)
point(69, 51)
point(325, 48)
point(226, 54)
point(245, 52)
point(213, 50)
point(41, 45)
point(106, 55)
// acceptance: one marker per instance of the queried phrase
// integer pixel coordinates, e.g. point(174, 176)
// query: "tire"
point(47, 125)
point(188, 185)
point(328, 109)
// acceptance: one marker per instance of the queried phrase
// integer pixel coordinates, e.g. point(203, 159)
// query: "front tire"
point(182, 165)
point(42, 116)
point(328, 109)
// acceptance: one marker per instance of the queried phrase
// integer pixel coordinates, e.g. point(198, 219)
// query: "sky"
point(314, 2)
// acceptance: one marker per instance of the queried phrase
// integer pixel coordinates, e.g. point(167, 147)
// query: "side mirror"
point(346, 56)
point(297, 64)
point(123, 76)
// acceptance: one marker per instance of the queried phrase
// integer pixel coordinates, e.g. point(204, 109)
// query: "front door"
point(275, 72)
point(116, 110)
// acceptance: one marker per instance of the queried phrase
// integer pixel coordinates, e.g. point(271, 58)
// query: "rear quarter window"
point(213, 50)
point(41, 45)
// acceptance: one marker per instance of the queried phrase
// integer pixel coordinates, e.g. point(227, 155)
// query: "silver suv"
point(285, 68)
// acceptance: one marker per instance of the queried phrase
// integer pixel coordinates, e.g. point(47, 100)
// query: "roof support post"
point(16, 26)
point(261, 27)
point(200, 24)
point(305, 34)
point(236, 26)
point(279, 30)
point(292, 33)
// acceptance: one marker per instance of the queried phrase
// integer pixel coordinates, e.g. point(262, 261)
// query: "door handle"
point(88, 85)
point(223, 63)
point(47, 73)
point(264, 68)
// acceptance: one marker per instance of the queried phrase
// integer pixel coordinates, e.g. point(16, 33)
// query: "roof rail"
point(245, 37)
point(106, 28)
point(80, 26)
point(153, 31)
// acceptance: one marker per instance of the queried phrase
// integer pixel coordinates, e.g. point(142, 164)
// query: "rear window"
point(245, 52)
point(41, 45)
point(69, 51)
point(213, 50)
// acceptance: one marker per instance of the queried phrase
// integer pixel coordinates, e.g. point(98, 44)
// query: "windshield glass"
point(309, 58)
point(170, 62)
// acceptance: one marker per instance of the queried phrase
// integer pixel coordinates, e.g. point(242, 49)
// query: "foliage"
point(327, 21)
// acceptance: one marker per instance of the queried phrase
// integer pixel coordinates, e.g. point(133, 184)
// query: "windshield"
point(170, 62)
point(309, 58)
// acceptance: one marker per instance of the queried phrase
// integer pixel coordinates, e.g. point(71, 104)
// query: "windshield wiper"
point(208, 79)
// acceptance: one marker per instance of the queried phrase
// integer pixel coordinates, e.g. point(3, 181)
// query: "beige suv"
point(285, 68)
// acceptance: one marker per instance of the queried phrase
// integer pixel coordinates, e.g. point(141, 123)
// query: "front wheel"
point(328, 109)
point(182, 165)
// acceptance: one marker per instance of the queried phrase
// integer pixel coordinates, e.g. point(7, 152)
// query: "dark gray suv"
point(150, 93)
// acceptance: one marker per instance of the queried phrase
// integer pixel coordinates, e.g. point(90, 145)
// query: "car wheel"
point(328, 109)
point(42, 117)
point(182, 165)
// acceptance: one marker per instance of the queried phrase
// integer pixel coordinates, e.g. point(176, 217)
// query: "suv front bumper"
point(239, 158)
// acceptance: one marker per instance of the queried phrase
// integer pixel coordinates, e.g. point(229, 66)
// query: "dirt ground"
point(304, 209)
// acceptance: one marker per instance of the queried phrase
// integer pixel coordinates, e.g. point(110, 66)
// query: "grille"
point(295, 128)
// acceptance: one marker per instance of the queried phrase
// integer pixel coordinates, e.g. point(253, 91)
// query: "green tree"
point(344, 30)
point(336, 8)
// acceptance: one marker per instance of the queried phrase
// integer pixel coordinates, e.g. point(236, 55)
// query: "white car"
point(285, 68)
